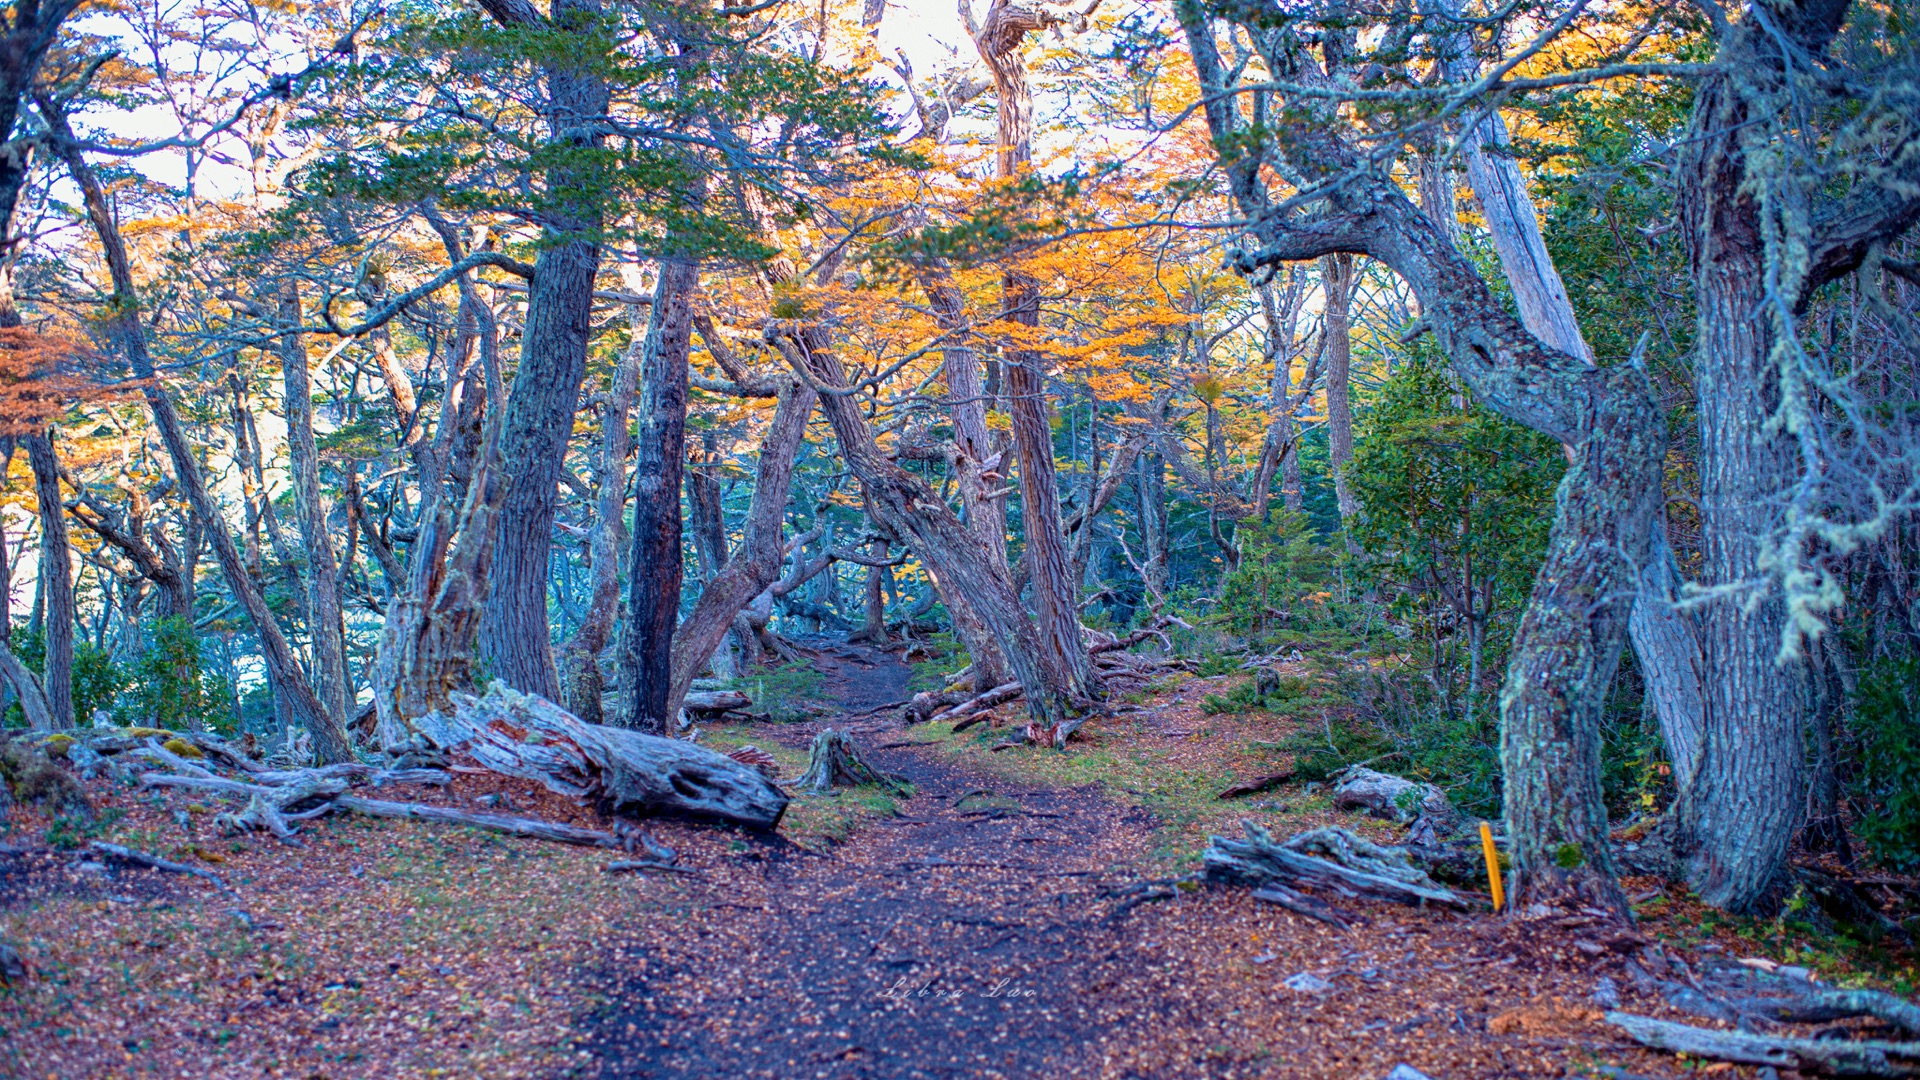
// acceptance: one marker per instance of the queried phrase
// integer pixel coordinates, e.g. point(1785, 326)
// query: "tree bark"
point(1568, 643)
point(329, 739)
point(755, 567)
point(56, 559)
point(325, 622)
point(655, 568)
point(1336, 277)
point(514, 637)
point(582, 652)
point(1000, 40)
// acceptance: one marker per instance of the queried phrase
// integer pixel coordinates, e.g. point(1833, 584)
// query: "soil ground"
point(997, 922)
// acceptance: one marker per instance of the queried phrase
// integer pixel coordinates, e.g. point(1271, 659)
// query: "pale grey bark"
point(326, 626)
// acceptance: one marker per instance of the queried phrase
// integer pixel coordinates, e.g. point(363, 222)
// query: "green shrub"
point(170, 684)
point(1886, 719)
point(787, 693)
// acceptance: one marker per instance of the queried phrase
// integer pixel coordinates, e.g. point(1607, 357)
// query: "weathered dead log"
point(1394, 798)
point(1001, 694)
point(1832, 1057)
point(1257, 785)
point(268, 808)
point(622, 865)
point(526, 736)
point(1301, 904)
point(529, 827)
point(1331, 859)
point(752, 755)
point(834, 761)
point(716, 701)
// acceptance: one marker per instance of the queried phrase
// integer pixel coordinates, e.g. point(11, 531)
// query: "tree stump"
point(834, 761)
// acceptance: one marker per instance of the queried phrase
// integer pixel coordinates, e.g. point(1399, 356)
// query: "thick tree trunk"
point(56, 560)
point(1281, 315)
point(329, 739)
point(514, 636)
point(706, 516)
point(1738, 820)
point(1336, 277)
point(655, 568)
point(755, 567)
point(1000, 42)
point(325, 623)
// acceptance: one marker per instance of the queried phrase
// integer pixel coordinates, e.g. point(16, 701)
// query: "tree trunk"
point(329, 739)
point(953, 556)
point(514, 636)
point(707, 517)
point(582, 651)
point(325, 622)
point(756, 565)
point(57, 587)
point(655, 568)
point(1336, 275)
point(1000, 42)
point(1151, 487)
point(977, 468)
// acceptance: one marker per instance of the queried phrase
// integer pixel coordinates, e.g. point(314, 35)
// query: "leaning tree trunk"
point(582, 652)
point(953, 556)
point(977, 470)
point(1001, 43)
point(56, 584)
point(325, 623)
point(653, 598)
point(553, 360)
point(756, 565)
point(329, 739)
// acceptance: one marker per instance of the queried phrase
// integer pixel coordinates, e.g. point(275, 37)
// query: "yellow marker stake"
point(1493, 866)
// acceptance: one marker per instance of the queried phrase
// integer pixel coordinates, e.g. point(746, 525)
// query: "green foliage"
point(944, 654)
point(1283, 694)
point(1457, 504)
point(1285, 589)
point(786, 693)
point(170, 684)
point(97, 681)
point(1886, 720)
point(68, 832)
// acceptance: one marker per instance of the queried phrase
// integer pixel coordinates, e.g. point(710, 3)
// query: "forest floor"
point(1020, 914)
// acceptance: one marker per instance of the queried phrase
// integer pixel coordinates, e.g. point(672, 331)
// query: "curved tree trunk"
point(1000, 40)
point(56, 581)
point(329, 739)
point(755, 567)
point(325, 622)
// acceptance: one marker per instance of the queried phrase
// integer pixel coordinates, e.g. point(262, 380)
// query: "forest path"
point(964, 938)
point(1005, 928)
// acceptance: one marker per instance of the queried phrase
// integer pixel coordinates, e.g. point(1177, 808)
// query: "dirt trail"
point(962, 939)
point(1002, 930)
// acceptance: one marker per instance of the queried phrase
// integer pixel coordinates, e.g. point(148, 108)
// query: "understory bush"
point(1886, 720)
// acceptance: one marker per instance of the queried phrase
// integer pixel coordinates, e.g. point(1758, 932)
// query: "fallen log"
point(529, 827)
point(621, 865)
point(1302, 904)
point(522, 735)
point(1833, 1057)
point(141, 858)
point(269, 808)
point(716, 701)
point(998, 695)
point(1328, 859)
point(1257, 785)
point(1391, 797)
